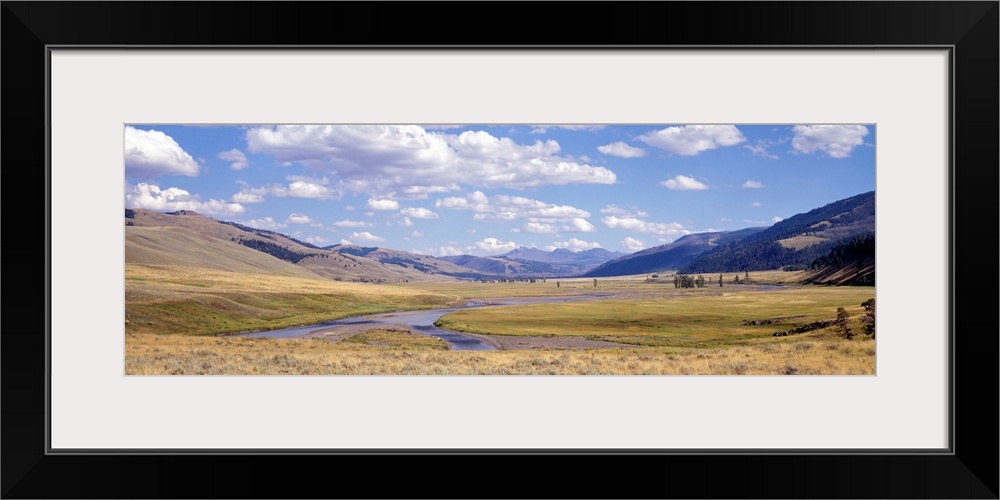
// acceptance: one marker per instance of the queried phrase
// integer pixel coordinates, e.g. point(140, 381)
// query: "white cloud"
point(549, 226)
point(411, 161)
point(538, 227)
point(693, 139)
point(311, 190)
point(151, 152)
point(573, 244)
point(150, 196)
point(266, 223)
point(405, 222)
point(447, 250)
point(250, 195)
point(623, 212)
point(346, 242)
point(632, 244)
point(725, 219)
point(419, 213)
point(237, 160)
point(317, 240)
point(622, 150)
point(761, 150)
point(755, 204)
point(365, 236)
point(298, 219)
point(493, 245)
point(507, 208)
point(776, 219)
point(633, 224)
point(749, 184)
point(376, 204)
point(836, 141)
point(580, 225)
point(352, 223)
point(684, 183)
point(416, 234)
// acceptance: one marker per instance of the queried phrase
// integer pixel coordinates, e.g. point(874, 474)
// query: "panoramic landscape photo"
point(485, 249)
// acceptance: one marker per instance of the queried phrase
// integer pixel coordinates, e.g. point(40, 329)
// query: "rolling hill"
point(187, 238)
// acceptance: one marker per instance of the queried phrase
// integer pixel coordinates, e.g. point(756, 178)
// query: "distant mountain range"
point(835, 243)
point(528, 262)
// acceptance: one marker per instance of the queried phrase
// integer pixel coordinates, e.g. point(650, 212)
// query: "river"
point(422, 322)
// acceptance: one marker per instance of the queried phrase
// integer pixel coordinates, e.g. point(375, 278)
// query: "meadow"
point(174, 318)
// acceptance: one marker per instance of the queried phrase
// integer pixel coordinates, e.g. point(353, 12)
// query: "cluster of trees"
point(268, 234)
point(686, 281)
point(359, 251)
point(854, 249)
point(281, 252)
point(129, 213)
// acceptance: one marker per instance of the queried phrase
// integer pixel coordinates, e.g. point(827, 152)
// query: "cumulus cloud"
point(749, 184)
point(549, 226)
point(150, 196)
point(307, 189)
point(493, 245)
point(405, 222)
point(573, 244)
point(632, 244)
point(776, 219)
point(266, 223)
point(416, 234)
point(384, 160)
point(623, 212)
point(237, 160)
point(376, 204)
point(352, 223)
point(508, 208)
point(419, 213)
point(836, 141)
point(755, 204)
point(693, 139)
point(151, 152)
point(298, 219)
point(365, 236)
point(621, 150)
point(638, 225)
point(684, 183)
point(250, 195)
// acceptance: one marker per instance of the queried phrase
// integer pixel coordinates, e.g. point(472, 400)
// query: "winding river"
point(422, 322)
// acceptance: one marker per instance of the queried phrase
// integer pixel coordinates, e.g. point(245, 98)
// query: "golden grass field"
point(174, 314)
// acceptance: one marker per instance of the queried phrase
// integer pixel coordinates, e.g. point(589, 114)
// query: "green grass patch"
point(397, 339)
point(221, 313)
point(696, 320)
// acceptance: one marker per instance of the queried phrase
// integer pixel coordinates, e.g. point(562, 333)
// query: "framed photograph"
point(284, 175)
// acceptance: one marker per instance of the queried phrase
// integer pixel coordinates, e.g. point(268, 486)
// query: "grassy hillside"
point(795, 241)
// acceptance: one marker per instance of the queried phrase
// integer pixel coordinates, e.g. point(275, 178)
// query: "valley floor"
point(634, 326)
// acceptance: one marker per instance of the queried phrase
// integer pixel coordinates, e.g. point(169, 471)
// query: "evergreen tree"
point(842, 323)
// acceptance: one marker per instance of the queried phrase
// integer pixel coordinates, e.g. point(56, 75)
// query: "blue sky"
point(487, 189)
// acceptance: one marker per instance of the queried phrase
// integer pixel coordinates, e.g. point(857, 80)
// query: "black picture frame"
point(968, 470)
